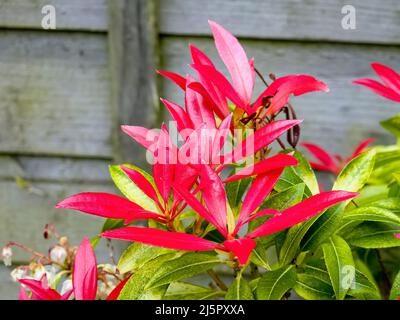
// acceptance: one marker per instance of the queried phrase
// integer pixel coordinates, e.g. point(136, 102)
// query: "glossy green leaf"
point(189, 291)
point(395, 291)
point(274, 284)
point(373, 235)
point(352, 178)
point(259, 257)
point(392, 125)
point(371, 214)
point(186, 266)
point(135, 288)
point(111, 224)
point(311, 287)
point(239, 289)
point(137, 255)
point(290, 178)
point(363, 288)
point(340, 265)
point(130, 190)
point(235, 191)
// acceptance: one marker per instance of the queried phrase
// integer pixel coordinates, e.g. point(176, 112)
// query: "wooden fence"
point(64, 92)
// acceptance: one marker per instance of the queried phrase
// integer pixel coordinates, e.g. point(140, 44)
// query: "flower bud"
point(7, 256)
point(63, 241)
point(58, 254)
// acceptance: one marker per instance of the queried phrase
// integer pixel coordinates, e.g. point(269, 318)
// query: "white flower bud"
point(66, 286)
point(18, 273)
point(7, 256)
point(58, 254)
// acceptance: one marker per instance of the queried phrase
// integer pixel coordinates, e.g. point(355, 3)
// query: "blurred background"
point(65, 91)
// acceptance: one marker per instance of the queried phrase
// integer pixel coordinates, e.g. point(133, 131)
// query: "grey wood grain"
point(89, 15)
point(337, 120)
point(54, 90)
point(376, 22)
point(54, 169)
point(133, 59)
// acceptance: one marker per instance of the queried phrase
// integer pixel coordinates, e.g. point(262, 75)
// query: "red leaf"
point(301, 212)
point(161, 238)
point(327, 161)
point(84, 273)
point(41, 292)
point(360, 148)
point(390, 77)
point(117, 290)
point(196, 107)
point(179, 115)
point(107, 205)
point(379, 89)
point(215, 77)
point(260, 139)
point(257, 193)
point(242, 248)
point(23, 295)
point(267, 165)
point(199, 208)
point(214, 195)
point(147, 138)
point(236, 61)
point(176, 78)
point(199, 57)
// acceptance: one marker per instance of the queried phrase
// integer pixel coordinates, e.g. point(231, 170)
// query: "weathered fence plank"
point(54, 90)
point(337, 120)
point(290, 19)
point(25, 211)
point(132, 41)
point(89, 15)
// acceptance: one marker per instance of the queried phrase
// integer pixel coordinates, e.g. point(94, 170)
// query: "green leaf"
point(363, 288)
point(392, 125)
point(189, 291)
point(135, 288)
point(130, 190)
point(186, 266)
point(111, 224)
point(274, 284)
point(259, 257)
point(235, 191)
point(239, 289)
point(352, 178)
point(137, 255)
point(373, 235)
point(371, 214)
point(395, 292)
point(340, 264)
point(288, 179)
point(310, 287)
point(305, 172)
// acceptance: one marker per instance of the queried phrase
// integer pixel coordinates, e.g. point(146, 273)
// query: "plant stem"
point(386, 286)
point(218, 281)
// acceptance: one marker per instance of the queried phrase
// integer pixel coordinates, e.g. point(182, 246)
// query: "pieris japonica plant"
point(230, 203)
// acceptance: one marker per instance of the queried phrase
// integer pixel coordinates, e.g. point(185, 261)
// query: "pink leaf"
point(147, 138)
point(213, 194)
point(390, 77)
point(179, 115)
point(199, 57)
point(267, 165)
point(197, 108)
point(161, 238)
point(260, 139)
point(176, 78)
point(242, 248)
point(107, 205)
point(379, 89)
point(236, 61)
point(23, 295)
point(84, 273)
point(215, 77)
point(301, 212)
